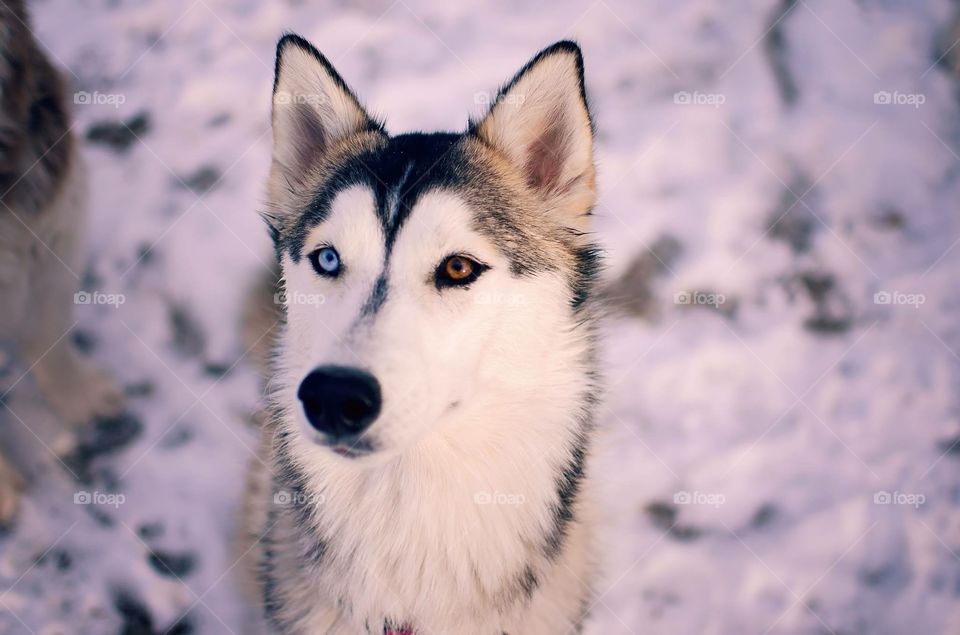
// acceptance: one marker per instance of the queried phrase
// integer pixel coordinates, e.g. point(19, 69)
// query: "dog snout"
point(340, 401)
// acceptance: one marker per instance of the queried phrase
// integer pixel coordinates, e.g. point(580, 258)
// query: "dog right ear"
point(313, 110)
point(541, 123)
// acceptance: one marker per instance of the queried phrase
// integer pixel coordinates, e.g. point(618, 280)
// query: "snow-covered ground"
point(780, 198)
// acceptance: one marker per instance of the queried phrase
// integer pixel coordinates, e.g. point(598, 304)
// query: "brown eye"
point(458, 270)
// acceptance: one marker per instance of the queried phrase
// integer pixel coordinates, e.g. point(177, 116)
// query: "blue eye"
point(326, 262)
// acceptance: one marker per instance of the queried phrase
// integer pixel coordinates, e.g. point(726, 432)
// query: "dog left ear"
point(313, 109)
point(541, 122)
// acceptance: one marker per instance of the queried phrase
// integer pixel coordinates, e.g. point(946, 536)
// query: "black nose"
point(340, 401)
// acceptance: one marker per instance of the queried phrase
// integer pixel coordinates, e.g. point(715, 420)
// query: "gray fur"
point(35, 140)
point(42, 217)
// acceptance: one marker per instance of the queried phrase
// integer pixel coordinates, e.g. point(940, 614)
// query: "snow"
point(782, 414)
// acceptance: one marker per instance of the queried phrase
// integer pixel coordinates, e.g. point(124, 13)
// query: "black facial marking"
point(273, 232)
point(589, 261)
point(398, 174)
point(568, 485)
point(430, 161)
point(377, 297)
point(528, 582)
point(393, 205)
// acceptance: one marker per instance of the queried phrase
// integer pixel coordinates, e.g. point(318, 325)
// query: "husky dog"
point(424, 463)
point(42, 195)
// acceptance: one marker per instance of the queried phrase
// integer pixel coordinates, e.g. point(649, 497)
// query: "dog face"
point(435, 283)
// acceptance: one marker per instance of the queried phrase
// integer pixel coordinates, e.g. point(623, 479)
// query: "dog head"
point(434, 283)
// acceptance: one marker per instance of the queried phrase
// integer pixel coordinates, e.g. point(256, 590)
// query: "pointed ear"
point(541, 122)
point(313, 110)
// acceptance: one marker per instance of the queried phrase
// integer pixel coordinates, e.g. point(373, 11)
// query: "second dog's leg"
point(74, 387)
point(11, 484)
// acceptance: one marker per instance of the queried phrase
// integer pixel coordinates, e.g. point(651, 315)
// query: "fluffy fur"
point(42, 200)
point(466, 511)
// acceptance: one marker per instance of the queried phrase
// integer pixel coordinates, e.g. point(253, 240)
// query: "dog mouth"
point(350, 448)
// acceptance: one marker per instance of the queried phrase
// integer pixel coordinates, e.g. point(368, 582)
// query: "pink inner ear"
point(311, 140)
point(405, 631)
point(546, 155)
